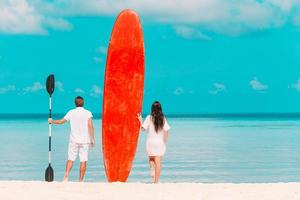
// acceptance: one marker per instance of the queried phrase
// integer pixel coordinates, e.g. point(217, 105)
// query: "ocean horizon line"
point(281, 115)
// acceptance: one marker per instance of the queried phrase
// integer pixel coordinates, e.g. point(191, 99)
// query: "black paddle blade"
point(50, 84)
point(49, 174)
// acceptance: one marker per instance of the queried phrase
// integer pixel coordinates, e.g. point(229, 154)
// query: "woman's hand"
point(139, 116)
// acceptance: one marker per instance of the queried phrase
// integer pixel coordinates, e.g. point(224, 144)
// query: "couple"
point(82, 137)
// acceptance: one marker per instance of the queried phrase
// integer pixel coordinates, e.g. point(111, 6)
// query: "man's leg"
point(83, 155)
point(68, 169)
point(72, 154)
point(82, 170)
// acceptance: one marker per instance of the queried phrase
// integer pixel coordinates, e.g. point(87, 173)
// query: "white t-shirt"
point(78, 118)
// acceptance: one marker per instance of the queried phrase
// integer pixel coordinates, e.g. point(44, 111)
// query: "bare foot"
point(66, 179)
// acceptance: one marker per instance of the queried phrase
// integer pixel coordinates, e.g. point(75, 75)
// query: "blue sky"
point(202, 56)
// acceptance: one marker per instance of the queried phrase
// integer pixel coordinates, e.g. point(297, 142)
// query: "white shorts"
point(83, 150)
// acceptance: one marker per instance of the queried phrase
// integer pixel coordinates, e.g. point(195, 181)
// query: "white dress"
point(155, 144)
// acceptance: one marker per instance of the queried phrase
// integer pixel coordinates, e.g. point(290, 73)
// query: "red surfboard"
point(123, 95)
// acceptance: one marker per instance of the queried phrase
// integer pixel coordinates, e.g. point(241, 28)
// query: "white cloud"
point(190, 33)
point(95, 91)
point(102, 50)
point(178, 91)
point(296, 19)
point(221, 16)
point(296, 85)
point(59, 86)
point(98, 59)
point(284, 5)
point(21, 17)
point(17, 16)
point(37, 86)
point(8, 88)
point(57, 23)
point(79, 90)
point(218, 87)
point(257, 85)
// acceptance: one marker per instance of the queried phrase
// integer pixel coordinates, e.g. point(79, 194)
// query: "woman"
point(158, 128)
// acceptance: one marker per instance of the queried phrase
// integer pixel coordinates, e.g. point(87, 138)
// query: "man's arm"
point(60, 121)
point(91, 131)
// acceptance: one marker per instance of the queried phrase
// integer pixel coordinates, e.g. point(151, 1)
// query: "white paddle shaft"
point(50, 128)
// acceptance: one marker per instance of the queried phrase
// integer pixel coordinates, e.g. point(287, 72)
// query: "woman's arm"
point(60, 121)
point(141, 121)
point(166, 135)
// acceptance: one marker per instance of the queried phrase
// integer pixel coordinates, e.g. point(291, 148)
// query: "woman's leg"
point(152, 166)
point(157, 161)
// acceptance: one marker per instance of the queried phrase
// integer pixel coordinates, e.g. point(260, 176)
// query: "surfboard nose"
point(127, 31)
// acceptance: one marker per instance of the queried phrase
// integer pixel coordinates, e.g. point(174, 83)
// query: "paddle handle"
point(50, 127)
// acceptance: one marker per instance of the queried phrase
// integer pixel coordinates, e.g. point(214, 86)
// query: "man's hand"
point(50, 120)
point(92, 142)
point(91, 131)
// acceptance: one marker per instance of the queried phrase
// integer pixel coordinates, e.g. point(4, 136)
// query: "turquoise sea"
point(209, 149)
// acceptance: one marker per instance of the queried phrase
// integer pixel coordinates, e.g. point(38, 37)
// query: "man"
point(81, 136)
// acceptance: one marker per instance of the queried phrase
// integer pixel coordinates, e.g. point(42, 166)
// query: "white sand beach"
point(31, 190)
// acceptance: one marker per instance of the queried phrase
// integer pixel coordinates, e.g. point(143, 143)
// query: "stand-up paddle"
point(123, 96)
point(49, 174)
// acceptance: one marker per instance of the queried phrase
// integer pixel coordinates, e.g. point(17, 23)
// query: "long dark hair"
point(157, 116)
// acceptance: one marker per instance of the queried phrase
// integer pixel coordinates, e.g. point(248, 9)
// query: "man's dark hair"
point(79, 101)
